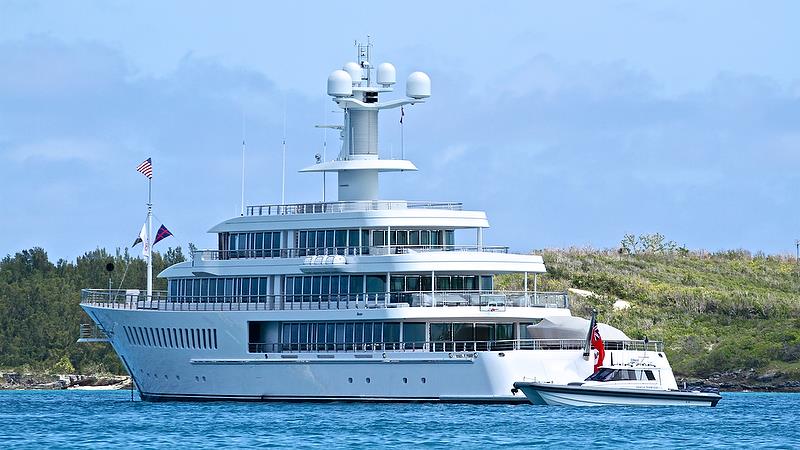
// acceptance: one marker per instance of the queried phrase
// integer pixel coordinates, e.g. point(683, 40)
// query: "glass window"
point(364, 242)
point(402, 237)
point(354, 237)
point(486, 283)
point(376, 284)
point(463, 331)
point(441, 332)
point(298, 288)
point(259, 243)
point(378, 238)
point(392, 237)
point(329, 240)
point(412, 283)
point(301, 243)
point(358, 333)
point(320, 240)
point(330, 336)
point(414, 334)
point(344, 287)
point(276, 243)
point(312, 239)
point(484, 331)
point(649, 374)
point(398, 284)
point(424, 237)
point(442, 283)
point(391, 334)
point(334, 284)
point(368, 333)
point(326, 286)
point(356, 284)
point(425, 283)
point(504, 331)
point(341, 241)
point(457, 283)
point(470, 283)
point(316, 285)
point(449, 237)
point(413, 237)
point(377, 332)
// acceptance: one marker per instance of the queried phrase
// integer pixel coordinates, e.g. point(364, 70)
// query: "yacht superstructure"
point(356, 299)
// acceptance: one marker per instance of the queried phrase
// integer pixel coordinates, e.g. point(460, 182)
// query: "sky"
point(569, 123)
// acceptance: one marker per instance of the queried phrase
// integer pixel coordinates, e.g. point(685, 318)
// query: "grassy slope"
point(715, 312)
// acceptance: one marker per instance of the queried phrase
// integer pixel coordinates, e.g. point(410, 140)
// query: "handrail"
point(160, 300)
point(450, 346)
point(346, 206)
point(216, 255)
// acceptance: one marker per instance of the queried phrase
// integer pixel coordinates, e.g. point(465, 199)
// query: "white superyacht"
point(358, 299)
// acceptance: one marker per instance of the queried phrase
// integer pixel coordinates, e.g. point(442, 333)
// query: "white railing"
point(160, 300)
point(451, 346)
point(338, 207)
point(217, 255)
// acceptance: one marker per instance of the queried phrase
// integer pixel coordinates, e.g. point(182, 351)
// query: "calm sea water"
point(108, 419)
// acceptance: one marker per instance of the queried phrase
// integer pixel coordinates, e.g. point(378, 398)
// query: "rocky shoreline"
point(744, 380)
point(35, 381)
point(736, 381)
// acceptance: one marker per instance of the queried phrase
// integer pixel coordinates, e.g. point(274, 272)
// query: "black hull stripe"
point(150, 397)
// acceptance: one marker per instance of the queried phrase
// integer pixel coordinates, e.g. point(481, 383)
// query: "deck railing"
point(451, 346)
point(160, 300)
point(347, 206)
point(216, 255)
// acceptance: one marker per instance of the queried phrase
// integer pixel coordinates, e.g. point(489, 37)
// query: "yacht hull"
point(227, 371)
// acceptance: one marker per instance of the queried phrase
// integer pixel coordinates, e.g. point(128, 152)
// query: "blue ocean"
point(109, 419)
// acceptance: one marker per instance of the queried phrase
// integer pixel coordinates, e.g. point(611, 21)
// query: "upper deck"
point(347, 206)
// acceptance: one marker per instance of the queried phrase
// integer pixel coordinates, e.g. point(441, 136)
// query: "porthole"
point(196, 378)
point(405, 380)
point(177, 377)
point(350, 380)
point(204, 378)
point(424, 380)
point(368, 380)
point(166, 377)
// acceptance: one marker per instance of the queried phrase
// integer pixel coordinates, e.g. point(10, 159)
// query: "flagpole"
point(150, 239)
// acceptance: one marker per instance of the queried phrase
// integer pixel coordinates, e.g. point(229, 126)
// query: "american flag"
point(146, 168)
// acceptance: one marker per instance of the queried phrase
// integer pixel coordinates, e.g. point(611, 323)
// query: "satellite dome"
point(340, 84)
point(387, 75)
point(418, 85)
point(354, 70)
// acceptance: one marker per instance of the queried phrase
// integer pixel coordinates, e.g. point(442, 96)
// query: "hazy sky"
point(570, 123)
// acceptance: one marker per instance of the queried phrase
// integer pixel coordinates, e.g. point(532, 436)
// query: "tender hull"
point(550, 394)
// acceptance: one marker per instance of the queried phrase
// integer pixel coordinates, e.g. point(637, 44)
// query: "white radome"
point(418, 85)
point(354, 70)
point(340, 84)
point(387, 75)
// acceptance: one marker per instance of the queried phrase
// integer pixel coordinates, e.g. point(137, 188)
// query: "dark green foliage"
point(39, 312)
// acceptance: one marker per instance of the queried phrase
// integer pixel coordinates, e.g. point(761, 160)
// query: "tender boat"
point(642, 384)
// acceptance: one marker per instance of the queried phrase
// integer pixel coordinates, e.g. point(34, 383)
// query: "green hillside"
point(716, 312)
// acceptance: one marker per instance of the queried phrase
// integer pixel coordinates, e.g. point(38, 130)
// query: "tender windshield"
point(604, 374)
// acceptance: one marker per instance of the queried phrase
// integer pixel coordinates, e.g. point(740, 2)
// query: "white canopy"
point(570, 327)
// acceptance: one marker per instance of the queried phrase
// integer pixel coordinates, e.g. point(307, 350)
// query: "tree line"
point(40, 315)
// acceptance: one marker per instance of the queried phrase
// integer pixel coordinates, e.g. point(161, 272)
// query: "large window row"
point(350, 242)
point(376, 336)
point(352, 335)
point(219, 290)
point(194, 338)
point(250, 245)
point(312, 288)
